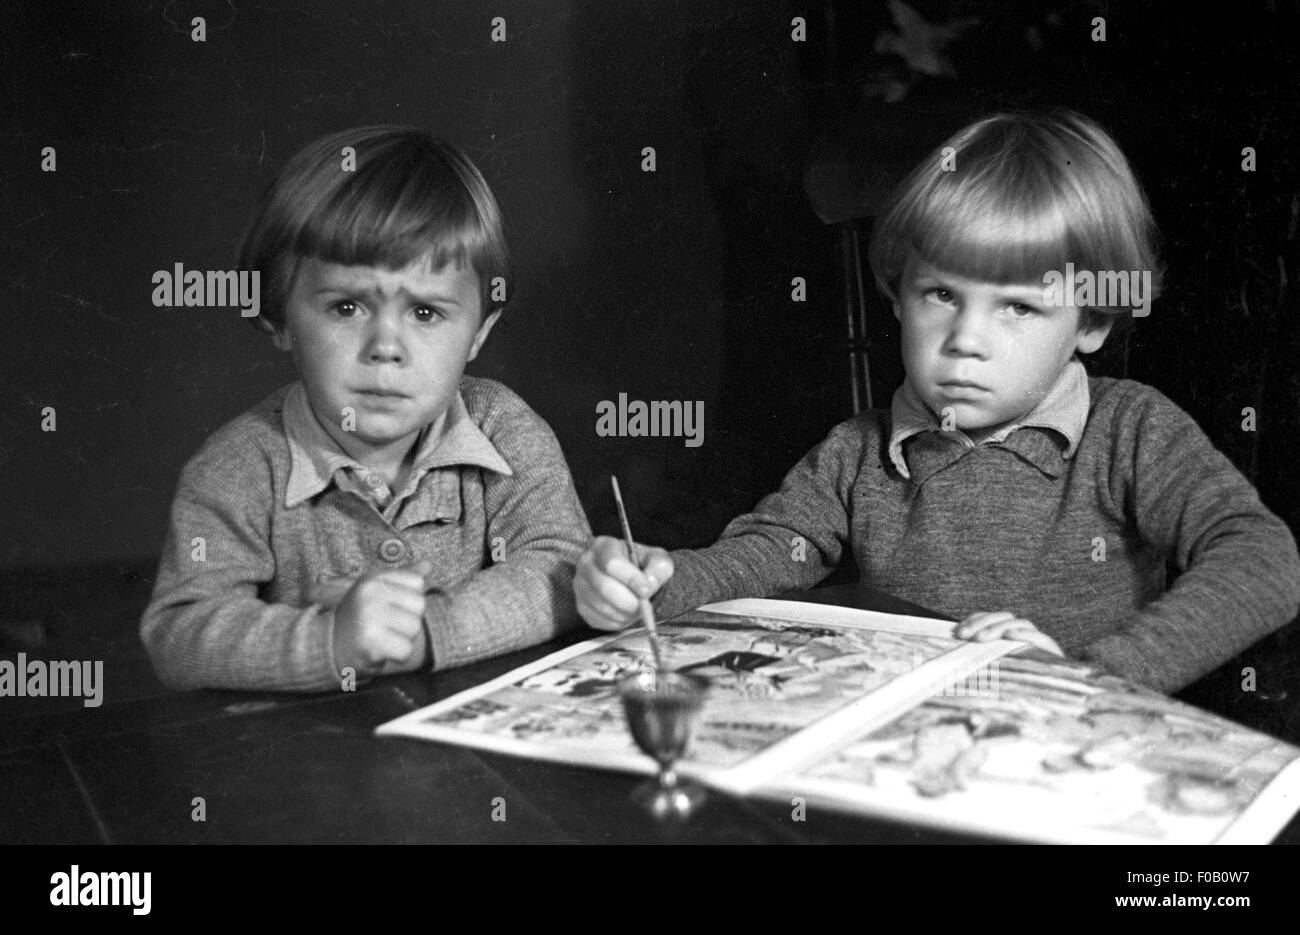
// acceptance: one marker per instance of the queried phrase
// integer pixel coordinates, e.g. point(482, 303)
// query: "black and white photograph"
point(381, 371)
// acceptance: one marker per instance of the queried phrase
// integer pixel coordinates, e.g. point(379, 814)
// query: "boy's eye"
point(427, 313)
point(1021, 310)
point(344, 309)
point(940, 295)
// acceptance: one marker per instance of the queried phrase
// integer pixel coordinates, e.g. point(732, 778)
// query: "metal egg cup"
point(662, 709)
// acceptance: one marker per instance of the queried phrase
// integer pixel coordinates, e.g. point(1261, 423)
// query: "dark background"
point(666, 285)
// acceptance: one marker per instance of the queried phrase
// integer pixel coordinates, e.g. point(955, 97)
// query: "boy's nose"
point(385, 344)
point(965, 335)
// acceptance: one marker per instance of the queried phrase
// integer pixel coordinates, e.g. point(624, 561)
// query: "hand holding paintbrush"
point(611, 579)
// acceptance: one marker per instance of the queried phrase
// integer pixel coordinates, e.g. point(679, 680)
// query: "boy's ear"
point(263, 324)
point(483, 331)
point(1091, 339)
point(279, 336)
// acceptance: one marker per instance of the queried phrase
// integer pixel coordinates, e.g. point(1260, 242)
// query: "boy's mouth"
point(964, 385)
point(381, 393)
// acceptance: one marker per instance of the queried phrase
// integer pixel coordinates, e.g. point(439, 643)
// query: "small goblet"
point(662, 709)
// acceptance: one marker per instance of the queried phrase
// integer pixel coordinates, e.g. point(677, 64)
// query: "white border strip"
point(805, 612)
point(1269, 812)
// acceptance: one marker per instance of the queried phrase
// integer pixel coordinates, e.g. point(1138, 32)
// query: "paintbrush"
point(647, 612)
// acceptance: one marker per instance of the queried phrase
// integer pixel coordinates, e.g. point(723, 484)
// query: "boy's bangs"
point(977, 234)
point(394, 215)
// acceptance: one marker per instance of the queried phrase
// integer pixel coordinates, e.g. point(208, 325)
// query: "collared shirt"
point(1064, 410)
point(316, 460)
point(271, 504)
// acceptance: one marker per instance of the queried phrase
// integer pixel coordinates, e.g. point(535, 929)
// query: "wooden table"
point(292, 768)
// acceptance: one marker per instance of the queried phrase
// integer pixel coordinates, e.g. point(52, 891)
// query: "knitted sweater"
point(256, 520)
point(1078, 546)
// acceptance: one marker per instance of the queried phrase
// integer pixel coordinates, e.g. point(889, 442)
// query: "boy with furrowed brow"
point(385, 513)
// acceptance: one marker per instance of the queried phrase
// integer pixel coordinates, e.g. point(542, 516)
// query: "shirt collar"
point(1064, 410)
point(314, 456)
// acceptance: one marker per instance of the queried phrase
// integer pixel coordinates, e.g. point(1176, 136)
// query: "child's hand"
point(379, 622)
point(329, 590)
point(608, 587)
point(1004, 625)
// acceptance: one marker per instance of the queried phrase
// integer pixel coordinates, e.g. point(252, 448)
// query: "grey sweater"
point(1078, 546)
point(492, 505)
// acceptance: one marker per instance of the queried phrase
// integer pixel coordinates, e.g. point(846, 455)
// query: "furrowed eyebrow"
point(435, 298)
point(346, 289)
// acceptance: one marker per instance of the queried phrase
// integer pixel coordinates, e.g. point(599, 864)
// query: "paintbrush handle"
point(647, 612)
point(648, 618)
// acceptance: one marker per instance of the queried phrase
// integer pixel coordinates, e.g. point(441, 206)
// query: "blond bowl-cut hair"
point(409, 196)
point(1013, 196)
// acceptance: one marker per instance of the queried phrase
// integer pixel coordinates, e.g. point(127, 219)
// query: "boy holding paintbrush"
point(1004, 486)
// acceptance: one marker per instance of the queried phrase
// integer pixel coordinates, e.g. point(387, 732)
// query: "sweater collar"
point(315, 457)
point(1058, 419)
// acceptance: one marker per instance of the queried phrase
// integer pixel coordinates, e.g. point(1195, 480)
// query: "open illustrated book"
point(890, 716)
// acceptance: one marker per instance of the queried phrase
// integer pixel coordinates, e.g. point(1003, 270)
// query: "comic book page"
point(887, 715)
point(786, 679)
point(1057, 751)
